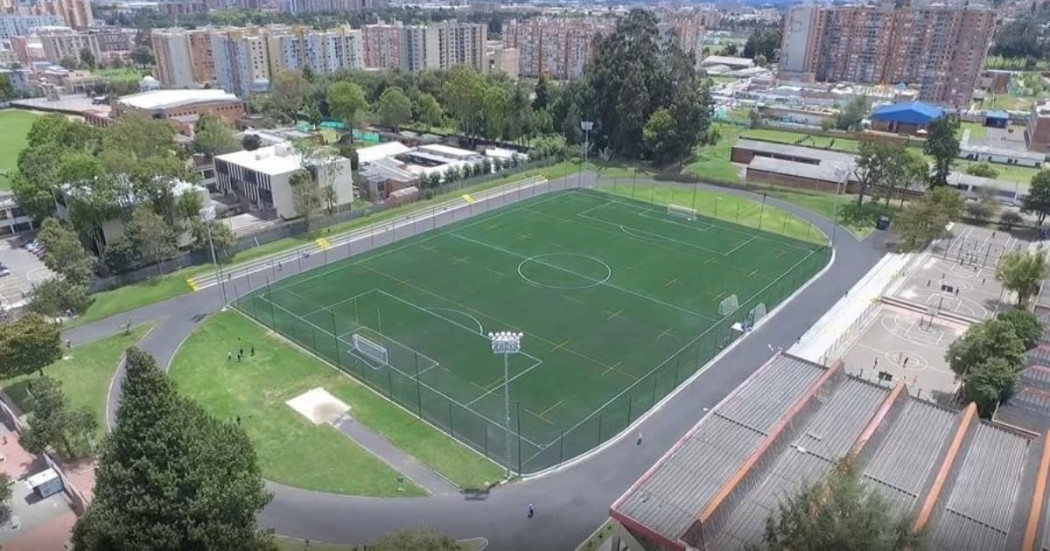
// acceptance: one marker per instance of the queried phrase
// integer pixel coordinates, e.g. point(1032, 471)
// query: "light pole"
point(586, 126)
point(506, 343)
point(208, 214)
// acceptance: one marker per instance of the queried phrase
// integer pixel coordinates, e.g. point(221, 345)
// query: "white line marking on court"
point(738, 247)
point(505, 383)
point(481, 328)
point(606, 283)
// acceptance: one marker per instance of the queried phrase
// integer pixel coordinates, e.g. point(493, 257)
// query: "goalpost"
point(757, 313)
point(681, 212)
point(728, 305)
point(371, 349)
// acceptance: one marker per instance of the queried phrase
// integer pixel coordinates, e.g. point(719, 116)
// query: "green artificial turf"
point(619, 301)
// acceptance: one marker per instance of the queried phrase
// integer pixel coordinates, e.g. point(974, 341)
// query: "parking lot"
point(26, 270)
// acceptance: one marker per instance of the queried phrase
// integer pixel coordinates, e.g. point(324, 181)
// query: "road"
point(570, 503)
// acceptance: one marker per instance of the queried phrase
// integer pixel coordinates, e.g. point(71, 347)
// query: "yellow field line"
point(550, 409)
point(753, 272)
point(540, 417)
point(573, 299)
point(664, 334)
point(461, 260)
point(672, 282)
point(525, 236)
point(497, 272)
point(612, 315)
point(557, 346)
point(611, 367)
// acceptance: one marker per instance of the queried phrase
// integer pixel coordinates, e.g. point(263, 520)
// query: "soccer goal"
point(757, 313)
point(371, 350)
point(728, 305)
point(681, 212)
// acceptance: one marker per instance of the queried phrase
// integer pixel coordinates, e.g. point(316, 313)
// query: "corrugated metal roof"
point(911, 449)
point(679, 488)
point(915, 112)
point(819, 155)
point(979, 510)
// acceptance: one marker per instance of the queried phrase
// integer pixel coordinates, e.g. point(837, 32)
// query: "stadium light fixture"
point(506, 343)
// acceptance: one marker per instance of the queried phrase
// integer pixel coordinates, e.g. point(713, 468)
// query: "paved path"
point(569, 503)
point(399, 460)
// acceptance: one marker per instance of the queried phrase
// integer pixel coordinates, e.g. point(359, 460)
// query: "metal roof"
point(979, 511)
point(915, 112)
point(817, 155)
point(683, 482)
point(909, 453)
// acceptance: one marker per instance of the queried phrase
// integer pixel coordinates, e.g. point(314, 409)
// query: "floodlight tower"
point(506, 343)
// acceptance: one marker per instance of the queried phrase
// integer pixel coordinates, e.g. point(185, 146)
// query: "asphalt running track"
point(570, 503)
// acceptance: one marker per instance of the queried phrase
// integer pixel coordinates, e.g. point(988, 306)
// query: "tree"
point(251, 142)
point(213, 137)
point(345, 100)
point(879, 164)
point(172, 477)
point(542, 93)
point(989, 339)
point(990, 382)
point(1038, 199)
point(1025, 325)
point(495, 103)
point(853, 113)
point(838, 512)
point(731, 49)
point(222, 237)
point(1010, 218)
point(306, 194)
point(59, 297)
point(982, 169)
point(54, 425)
point(980, 210)
point(942, 144)
point(27, 345)
point(87, 58)
point(764, 42)
point(6, 492)
point(287, 92)
point(142, 56)
point(7, 90)
point(924, 220)
point(430, 112)
point(69, 63)
point(1023, 273)
point(65, 253)
point(463, 93)
point(659, 134)
point(151, 235)
point(395, 109)
point(415, 540)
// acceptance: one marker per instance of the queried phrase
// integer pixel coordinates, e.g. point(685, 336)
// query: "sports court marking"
point(537, 259)
point(652, 238)
point(481, 328)
point(603, 283)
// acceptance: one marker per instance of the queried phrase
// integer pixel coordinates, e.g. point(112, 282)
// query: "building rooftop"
point(373, 153)
point(275, 159)
point(728, 61)
point(914, 112)
point(167, 99)
point(1003, 151)
point(968, 483)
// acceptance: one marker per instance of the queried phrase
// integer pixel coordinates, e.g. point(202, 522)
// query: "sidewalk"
point(399, 460)
point(35, 524)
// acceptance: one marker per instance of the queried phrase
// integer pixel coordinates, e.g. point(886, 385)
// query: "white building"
point(1002, 155)
point(262, 178)
point(12, 218)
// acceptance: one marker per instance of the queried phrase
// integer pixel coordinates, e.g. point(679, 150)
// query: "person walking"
point(532, 512)
point(639, 439)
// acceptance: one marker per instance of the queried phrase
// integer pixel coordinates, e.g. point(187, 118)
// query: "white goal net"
point(728, 305)
point(758, 312)
point(681, 212)
point(370, 349)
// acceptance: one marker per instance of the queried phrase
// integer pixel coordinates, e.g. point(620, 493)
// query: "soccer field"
point(619, 302)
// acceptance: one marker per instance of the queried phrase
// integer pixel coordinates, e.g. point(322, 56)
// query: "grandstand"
point(966, 483)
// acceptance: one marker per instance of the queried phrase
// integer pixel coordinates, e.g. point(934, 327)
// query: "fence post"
point(600, 414)
point(653, 402)
point(389, 382)
point(561, 454)
point(335, 336)
point(419, 402)
point(518, 406)
point(451, 430)
point(630, 402)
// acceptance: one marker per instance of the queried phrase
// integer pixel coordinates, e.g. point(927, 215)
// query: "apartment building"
point(501, 60)
point(177, 64)
point(333, 6)
point(939, 49)
point(382, 45)
point(558, 47)
point(414, 48)
point(75, 13)
point(104, 44)
point(322, 52)
point(1037, 130)
point(242, 64)
point(12, 25)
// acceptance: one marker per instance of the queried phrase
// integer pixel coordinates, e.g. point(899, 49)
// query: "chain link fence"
point(259, 297)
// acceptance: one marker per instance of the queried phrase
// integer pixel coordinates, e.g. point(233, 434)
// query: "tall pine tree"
point(171, 477)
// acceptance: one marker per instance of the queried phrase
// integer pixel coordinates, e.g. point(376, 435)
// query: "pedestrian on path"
point(639, 439)
point(905, 361)
point(253, 350)
point(532, 512)
point(229, 356)
point(876, 366)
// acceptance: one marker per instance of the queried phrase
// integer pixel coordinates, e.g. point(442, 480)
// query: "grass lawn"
point(977, 131)
point(292, 544)
point(15, 124)
point(291, 449)
point(1009, 102)
point(788, 137)
point(85, 374)
point(130, 297)
point(605, 338)
point(1007, 173)
point(711, 162)
point(723, 206)
point(121, 75)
